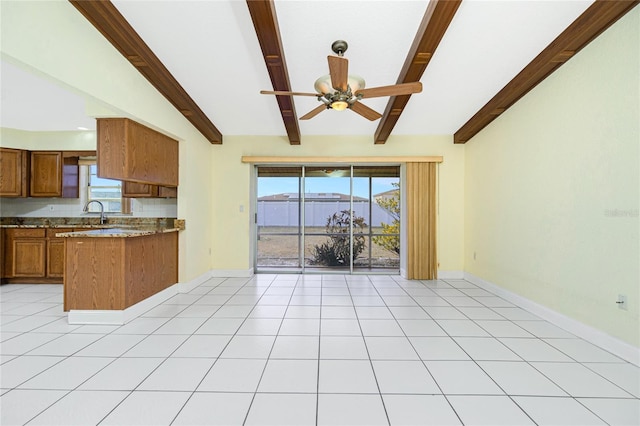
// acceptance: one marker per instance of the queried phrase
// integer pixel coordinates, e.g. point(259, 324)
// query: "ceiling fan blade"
point(365, 111)
point(339, 71)
point(280, 92)
point(395, 90)
point(313, 112)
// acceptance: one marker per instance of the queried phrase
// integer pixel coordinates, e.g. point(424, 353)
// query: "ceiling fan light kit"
point(339, 105)
point(323, 84)
point(339, 91)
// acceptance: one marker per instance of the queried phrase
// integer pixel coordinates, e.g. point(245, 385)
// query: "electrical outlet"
point(474, 255)
point(622, 301)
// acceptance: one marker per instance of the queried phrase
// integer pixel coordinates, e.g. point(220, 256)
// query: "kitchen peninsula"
point(112, 269)
point(31, 252)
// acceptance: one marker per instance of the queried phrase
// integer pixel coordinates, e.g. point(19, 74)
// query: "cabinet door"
point(139, 190)
point(29, 257)
point(55, 258)
point(168, 192)
point(153, 157)
point(46, 174)
point(130, 151)
point(13, 173)
point(13, 235)
point(70, 177)
point(143, 190)
point(55, 252)
point(2, 255)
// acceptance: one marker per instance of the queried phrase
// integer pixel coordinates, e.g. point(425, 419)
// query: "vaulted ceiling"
point(474, 58)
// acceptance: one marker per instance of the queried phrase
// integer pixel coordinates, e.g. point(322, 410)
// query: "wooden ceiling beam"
point(265, 22)
point(435, 22)
point(114, 27)
point(591, 23)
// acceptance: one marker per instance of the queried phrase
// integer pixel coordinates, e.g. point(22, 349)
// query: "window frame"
point(125, 203)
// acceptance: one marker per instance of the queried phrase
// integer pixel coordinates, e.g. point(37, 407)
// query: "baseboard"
point(403, 273)
point(444, 275)
point(451, 275)
point(605, 341)
point(120, 317)
point(190, 285)
point(231, 273)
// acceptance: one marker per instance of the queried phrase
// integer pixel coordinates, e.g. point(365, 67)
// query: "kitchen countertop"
point(116, 232)
point(93, 222)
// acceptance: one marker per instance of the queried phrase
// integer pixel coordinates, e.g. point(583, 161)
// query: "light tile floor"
point(307, 350)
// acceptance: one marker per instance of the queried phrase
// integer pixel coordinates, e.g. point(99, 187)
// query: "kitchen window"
point(107, 191)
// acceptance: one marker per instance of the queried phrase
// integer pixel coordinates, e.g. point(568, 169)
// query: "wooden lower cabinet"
point(2, 251)
point(33, 255)
point(24, 253)
point(55, 252)
point(114, 273)
point(29, 257)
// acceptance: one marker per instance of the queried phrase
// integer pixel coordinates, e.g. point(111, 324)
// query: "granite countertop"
point(90, 221)
point(116, 232)
point(88, 226)
point(116, 226)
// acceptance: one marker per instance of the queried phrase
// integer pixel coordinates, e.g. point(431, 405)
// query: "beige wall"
point(551, 189)
point(53, 40)
point(232, 180)
point(81, 140)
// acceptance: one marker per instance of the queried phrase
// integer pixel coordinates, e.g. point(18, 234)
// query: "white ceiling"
point(211, 48)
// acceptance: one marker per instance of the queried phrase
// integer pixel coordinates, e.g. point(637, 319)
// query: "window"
point(107, 191)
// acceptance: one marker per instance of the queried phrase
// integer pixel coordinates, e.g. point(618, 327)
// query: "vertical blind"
point(422, 261)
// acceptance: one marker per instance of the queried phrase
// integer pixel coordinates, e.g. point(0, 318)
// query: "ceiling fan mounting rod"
point(339, 47)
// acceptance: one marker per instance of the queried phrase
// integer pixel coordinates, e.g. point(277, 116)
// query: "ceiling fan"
point(338, 90)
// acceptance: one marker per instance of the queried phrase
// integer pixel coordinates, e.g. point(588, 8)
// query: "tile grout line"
point(373, 371)
point(418, 354)
point(246, 417)
point(319, 355)
point(166, 357)
point(511, 396)
point(192, 393)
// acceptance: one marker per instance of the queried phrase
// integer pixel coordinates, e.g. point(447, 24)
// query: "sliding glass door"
point(328, 219)
point(278, 225)
point(380, 189)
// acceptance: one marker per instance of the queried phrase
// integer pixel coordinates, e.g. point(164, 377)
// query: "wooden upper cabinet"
point(139, 190)
point(143, 190)
point(14, 172)
point(46, 174)
point(129, 151)
point(167, 192)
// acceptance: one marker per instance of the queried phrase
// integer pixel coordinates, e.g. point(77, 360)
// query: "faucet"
point(103, 219)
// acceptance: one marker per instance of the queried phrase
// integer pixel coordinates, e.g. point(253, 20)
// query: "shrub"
point(392, 205)
point(336, 251)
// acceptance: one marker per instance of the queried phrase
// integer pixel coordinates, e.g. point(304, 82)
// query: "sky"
point(279, 185)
